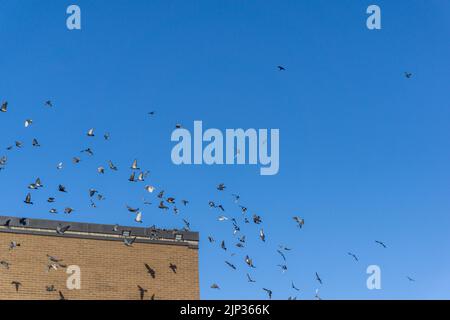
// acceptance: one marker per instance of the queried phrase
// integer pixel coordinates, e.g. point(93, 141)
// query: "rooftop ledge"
point(98, 231)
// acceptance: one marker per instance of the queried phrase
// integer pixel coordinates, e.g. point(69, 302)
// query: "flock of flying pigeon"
point(165, 203)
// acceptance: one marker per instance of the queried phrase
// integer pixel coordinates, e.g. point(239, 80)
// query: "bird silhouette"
point(318, 278)
point(150, 271)
point(17, 285)
point(142, 292)
point(269, 292)
point(173, 267)
point(381, 244)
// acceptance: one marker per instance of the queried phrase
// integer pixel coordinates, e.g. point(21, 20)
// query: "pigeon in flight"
point(92, 192)
point(317, 295)
point(16, 284)
point(53, 259)
point(283, 267)
point(222, 218)
point(28, 199)
point(318, 278)
point(215, 286)
point(32, 186)
point(38, 183)
point(187, 224)
point(138, 218)
point(134, 165)
point(262, 235)
point(90, 133)
point(173, 267)
point(50, 288)
point(150, 271)
point(300, 221)
point(163, 206)
point(112, 166)
point(257, 219)
point(129, 241)
point(232, 266)
point(13, 245)
point(282, 254)
point(249, 261)
point(7, 223)
point(133, 210)
point(4, 107)
point(88, 151)
point(281, 68)
point(62, 229)
point(381, 244)
point(142, 292)
point(35, 143)
point(142, 176)
point(353, 255)
point(269, 292)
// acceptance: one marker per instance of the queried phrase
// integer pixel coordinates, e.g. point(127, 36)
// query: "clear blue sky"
point(364, 151)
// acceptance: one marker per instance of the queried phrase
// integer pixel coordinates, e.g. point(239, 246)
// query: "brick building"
point(109, 268)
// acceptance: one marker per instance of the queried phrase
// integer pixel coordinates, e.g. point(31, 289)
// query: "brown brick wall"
point(109, 269)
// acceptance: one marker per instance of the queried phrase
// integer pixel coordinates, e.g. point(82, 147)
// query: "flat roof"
point(97, 231)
